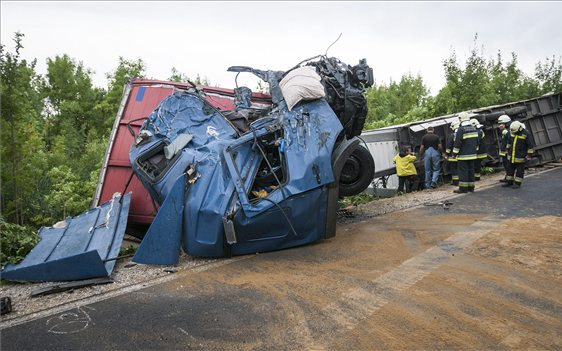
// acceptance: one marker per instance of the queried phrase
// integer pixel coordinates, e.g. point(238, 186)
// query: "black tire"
point(357, 173)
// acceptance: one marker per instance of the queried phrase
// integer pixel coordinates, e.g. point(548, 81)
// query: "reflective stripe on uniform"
point(522, 136)
point(466, 157)
point(508, 177)
point(501, 153)
point(455, 177)
point(514, 144)
point(518, 180)
point(470, 135)
point(482, 156)
point(464, 184)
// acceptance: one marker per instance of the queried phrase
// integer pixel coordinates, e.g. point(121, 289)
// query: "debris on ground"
point(53, 289)
point(5, 305)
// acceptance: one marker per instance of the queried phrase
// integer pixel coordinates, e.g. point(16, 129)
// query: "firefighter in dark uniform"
point(504, 123)
point(482, 149)
point(518, 150)
point(452, 161)
point(465, 151)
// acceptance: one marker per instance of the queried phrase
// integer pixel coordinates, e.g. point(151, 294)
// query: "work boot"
point(503, 180)
point(470, 189)
point(516, 186)
point(460, 191)
point(433, 185)
point(507, 184)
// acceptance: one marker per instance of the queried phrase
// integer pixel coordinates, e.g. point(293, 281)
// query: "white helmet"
point(475, 123)
point(463, 116)
point(504, 119)
point(515, 126)
point(455, 123)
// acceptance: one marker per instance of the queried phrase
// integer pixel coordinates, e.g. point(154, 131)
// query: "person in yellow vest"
point(406, 170)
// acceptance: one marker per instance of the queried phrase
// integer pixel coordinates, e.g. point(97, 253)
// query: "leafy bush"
point(356, 200)
point(486, 170)
point(16, 241)
point(127, 250)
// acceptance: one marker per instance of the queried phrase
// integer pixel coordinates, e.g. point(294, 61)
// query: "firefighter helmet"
point(455, 124)
point(463, 116)
point(504, 119)
point(515, 126)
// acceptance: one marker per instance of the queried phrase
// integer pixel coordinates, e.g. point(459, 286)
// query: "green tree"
point(125, 71)
point(488, 81)
point(548, 75)
point(201, 81)
point(21, 126)
point(391, 104)
point(70, 195)
point(70, 100)
point(178, 76)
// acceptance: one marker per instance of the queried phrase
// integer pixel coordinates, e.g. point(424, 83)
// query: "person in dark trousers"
point(452, 161)
point(482, 149)
point(465, 151)
point(518, 150)
point(406, 170)
point(430, 151)
point(504, 123)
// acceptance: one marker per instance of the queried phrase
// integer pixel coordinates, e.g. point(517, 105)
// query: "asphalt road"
point(485, 274)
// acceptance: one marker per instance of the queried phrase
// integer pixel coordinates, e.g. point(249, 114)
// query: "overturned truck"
point(219, 172)
point(542, 117)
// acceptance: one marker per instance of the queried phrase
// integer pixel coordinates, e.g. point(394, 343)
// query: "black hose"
point(284, 215)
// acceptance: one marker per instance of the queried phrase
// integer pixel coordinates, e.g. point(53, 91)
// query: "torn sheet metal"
point(80, 247)
point(162, 243)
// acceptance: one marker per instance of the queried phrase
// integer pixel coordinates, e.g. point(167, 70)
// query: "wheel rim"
point(351, 170)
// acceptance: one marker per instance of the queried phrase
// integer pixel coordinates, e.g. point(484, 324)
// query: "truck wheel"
point(357, 173)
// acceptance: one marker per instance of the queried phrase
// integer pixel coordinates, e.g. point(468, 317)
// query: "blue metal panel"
point(271, 231)
point(140, 94)
point(161, 244)
point(83, 247)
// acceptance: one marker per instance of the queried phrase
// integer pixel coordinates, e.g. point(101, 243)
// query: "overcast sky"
point(207, 37)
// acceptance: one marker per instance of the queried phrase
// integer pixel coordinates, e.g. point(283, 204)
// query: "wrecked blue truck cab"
point(258, 178)
point(266, 189)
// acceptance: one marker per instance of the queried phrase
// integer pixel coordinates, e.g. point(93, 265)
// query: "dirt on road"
point(502, 292)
